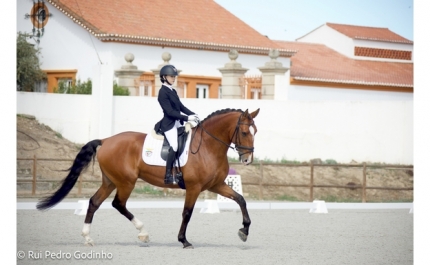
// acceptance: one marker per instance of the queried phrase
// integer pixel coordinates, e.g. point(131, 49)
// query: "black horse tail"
point(82, 160)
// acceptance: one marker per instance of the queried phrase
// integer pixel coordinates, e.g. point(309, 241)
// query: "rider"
point(172, 119)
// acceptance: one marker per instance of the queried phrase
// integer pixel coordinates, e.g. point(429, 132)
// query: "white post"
point(102, 102)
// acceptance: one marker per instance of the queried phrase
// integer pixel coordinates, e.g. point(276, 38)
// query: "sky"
point(292, 19)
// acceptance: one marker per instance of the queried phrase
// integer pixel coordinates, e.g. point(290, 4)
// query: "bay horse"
point(121, 164)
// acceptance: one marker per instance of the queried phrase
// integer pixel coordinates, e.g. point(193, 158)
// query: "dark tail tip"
point(81, 162)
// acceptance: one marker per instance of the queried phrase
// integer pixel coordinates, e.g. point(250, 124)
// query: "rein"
point(250, 149)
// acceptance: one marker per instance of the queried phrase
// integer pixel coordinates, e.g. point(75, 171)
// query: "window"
point(145, 88)
point(202, 91)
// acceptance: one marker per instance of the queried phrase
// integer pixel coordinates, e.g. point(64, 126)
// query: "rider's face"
point(171, 79)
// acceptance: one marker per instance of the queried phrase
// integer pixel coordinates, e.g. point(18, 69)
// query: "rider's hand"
point(193, 118)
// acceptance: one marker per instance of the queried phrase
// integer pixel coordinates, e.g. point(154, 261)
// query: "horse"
point(120, 160)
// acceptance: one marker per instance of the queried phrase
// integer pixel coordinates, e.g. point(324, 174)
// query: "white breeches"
point(172, 136)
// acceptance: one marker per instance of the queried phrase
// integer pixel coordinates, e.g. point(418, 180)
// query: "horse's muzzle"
point(246, 159)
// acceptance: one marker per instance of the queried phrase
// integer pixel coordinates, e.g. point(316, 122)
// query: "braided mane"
point(218, 112)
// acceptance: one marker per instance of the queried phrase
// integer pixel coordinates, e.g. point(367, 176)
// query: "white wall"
point(190, 62)
point(327, 93)
point(68, 115)
point(372, 131)
point(330, 38)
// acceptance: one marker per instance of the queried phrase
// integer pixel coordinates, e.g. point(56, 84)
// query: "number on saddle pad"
point(235, 183)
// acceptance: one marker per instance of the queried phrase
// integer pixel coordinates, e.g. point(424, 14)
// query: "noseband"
point(237, 144)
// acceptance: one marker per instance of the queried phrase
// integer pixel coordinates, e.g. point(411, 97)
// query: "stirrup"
point(169, 179)
point(178, 177)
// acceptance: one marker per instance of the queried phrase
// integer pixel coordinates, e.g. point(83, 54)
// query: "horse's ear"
point(245, 114)
point(255, 113)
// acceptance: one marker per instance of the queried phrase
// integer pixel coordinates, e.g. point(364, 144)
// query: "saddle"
point(182, 138)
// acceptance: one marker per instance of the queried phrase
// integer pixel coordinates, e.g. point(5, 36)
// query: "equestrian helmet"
point(168, 70)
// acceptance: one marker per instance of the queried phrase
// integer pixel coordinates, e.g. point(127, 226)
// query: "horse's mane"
point(218, 112)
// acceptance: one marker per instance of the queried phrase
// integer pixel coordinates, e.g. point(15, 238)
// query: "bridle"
point(237, 143)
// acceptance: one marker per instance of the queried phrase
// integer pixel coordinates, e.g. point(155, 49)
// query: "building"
point(334, 61)
point(198, 35)
point(337, 61)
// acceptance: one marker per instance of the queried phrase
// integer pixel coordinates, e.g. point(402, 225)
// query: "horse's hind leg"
point(96, 200)
point(226, 191)
point(119, 202)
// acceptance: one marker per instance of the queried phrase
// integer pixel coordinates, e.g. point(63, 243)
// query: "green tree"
point(28, 70)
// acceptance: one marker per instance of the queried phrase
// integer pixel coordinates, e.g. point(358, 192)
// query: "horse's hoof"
point(189, 247)
point(242, 236)
point(89, 243)
point(143, 238)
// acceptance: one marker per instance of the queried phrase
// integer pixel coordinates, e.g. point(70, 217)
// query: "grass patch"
point(286, 198)
point(332, 198)
point(59, 135)
point(393, 201)
point(267, 160)
point(147, 190)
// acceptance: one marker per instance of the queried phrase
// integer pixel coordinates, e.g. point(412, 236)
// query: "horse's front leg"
point(190, 200)
point(226, 191)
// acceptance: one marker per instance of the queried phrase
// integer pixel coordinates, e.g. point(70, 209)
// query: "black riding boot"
point(168, 178)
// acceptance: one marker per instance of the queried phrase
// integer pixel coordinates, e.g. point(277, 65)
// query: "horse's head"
point(238, 128)
point(244, 136)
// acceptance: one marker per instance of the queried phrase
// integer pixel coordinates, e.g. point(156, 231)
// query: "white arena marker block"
point(411, 210)
point(318, 207)
point(235, 182)
point(82, 207)
point(210, 206)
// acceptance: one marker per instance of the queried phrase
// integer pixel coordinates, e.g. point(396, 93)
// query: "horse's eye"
point(244, 134)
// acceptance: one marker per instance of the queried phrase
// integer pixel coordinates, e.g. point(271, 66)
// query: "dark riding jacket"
point(172, 108)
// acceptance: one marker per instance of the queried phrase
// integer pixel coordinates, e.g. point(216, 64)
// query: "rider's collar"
point(169, 86)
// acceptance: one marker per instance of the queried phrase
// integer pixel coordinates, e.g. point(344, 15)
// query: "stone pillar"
point(269, 71)
point(231, 74)
point(166, 56)
point(128, 74)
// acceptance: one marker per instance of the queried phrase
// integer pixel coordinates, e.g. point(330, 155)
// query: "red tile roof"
point(317, 62)
point(198, 24)
point(368, 33)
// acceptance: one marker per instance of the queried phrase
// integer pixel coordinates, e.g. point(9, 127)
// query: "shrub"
point(77, 87)
point(120, 91)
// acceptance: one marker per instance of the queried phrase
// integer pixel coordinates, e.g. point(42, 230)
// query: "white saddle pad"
point(151, 152)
